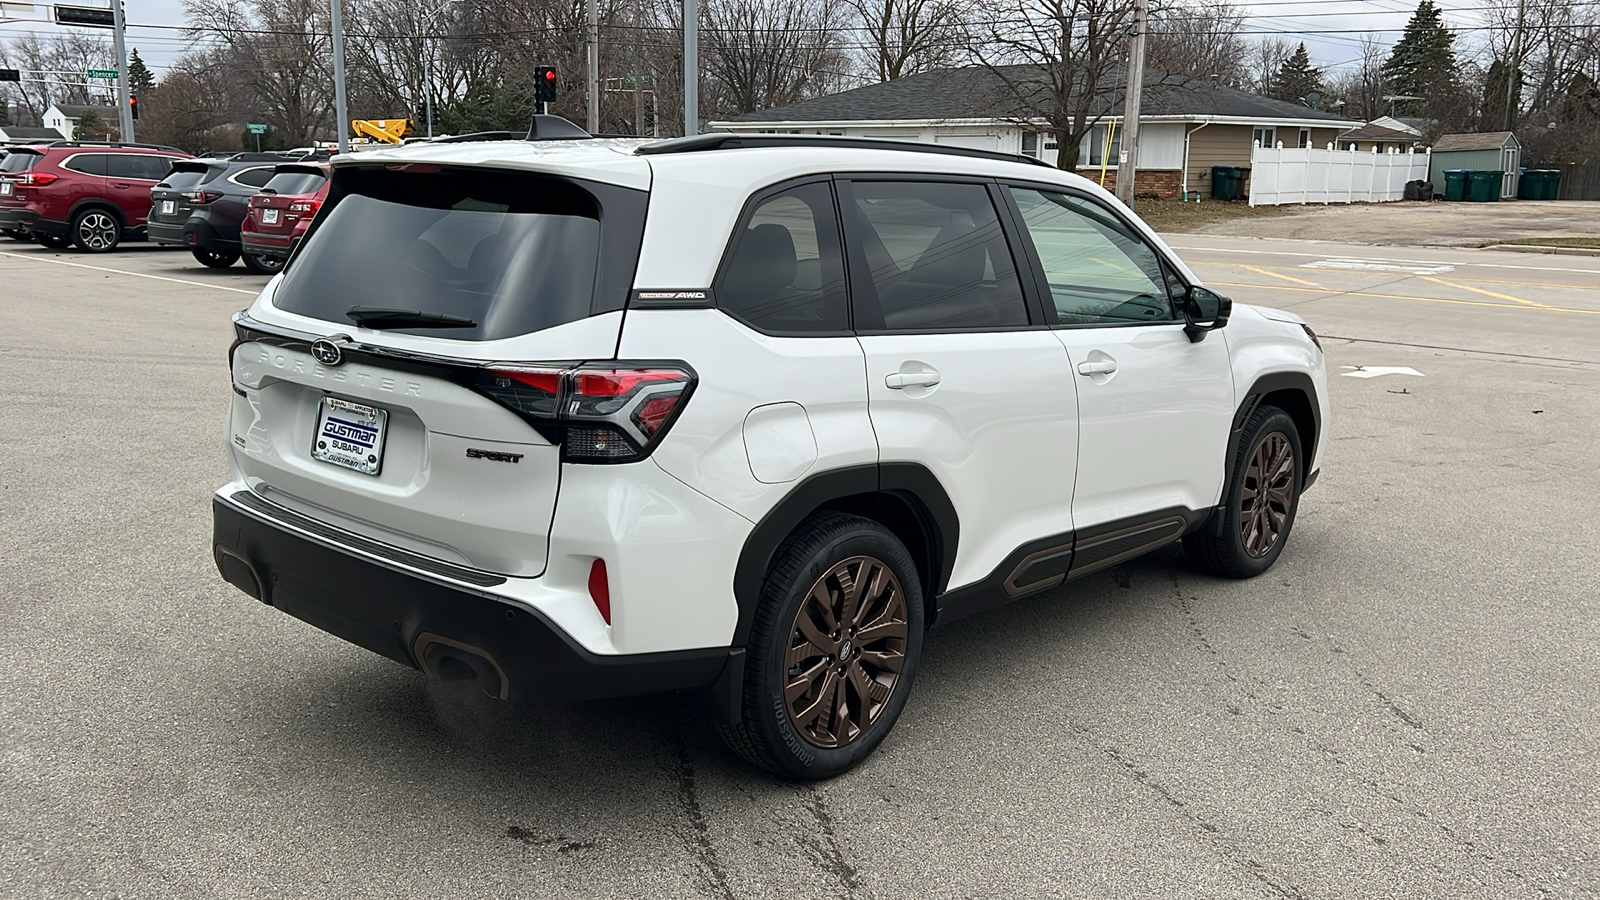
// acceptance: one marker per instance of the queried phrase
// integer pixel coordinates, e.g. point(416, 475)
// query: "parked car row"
point(96, 195)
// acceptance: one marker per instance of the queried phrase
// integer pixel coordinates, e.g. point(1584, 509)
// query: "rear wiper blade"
point(384, 317)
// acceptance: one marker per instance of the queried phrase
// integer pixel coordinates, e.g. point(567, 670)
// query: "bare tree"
point(1266, 56)
point(53, 67)
point(1199, 38)
point(764, 53)
point(283, 47)
point(1056, 62)
point(904, 37)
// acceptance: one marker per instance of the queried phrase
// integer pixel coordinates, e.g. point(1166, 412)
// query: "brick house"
point(1186, 125)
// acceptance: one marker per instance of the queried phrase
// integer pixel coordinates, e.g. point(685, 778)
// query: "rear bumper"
point(27, 220)
point(166, 233)
point(202, 234)
point(257, 244)
point(432, 624)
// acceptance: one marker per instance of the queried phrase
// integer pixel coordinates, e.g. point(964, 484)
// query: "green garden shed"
point(1498, 151)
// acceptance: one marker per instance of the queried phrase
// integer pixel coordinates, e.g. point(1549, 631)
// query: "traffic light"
point(133, 106)
point(544, 84)
point(10, 75)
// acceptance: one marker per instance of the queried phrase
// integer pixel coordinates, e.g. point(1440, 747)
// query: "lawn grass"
point(1177, 216)
point(1589, 242)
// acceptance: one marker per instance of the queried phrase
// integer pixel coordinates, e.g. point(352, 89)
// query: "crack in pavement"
point(825, 846)
point(698, 838)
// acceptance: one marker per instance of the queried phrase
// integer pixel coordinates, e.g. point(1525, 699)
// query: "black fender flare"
point(1271, 383)
point(912, 483)
point(96, 203)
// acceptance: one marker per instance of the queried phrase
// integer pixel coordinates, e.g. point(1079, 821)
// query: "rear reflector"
point(600, 589)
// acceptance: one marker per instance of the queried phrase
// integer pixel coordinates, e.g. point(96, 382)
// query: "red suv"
point(81, 192)
point(280, 214)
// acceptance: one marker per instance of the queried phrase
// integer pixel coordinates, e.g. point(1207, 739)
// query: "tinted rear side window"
point(514, 253)
point(87, 163)
point(296, 183)
point(786, 271)
point(138, 166)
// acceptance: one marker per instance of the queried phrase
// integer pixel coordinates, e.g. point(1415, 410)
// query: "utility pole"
point(341, 109)
point(1132, 91)
point(691, 67)
point(121, 46)
point(1514, 66)
point(591, 36)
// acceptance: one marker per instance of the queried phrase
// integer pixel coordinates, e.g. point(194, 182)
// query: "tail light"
point(202, 197)
point(39, 179)
point(306, 207)
point(611, 412)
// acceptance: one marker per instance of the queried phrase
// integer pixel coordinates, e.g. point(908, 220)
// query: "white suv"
point(738, 414)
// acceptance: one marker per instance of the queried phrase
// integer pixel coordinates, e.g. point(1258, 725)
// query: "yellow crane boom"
point(387, 131)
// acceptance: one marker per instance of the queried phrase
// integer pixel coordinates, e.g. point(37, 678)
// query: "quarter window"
point(257, 177)
point(786, 271)
point(1099, 271)
point(936, 257)
point(87, 163)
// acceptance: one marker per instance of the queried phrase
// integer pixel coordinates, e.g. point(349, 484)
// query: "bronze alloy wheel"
point(1268, 494)
point(846, 651)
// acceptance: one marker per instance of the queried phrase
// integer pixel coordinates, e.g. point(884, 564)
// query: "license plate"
point(5, 188)
point(350, 435)
point(167, 206)
point(269, 217)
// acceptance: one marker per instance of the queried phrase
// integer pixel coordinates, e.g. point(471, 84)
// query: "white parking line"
point(62, 262)
point(1433, 262)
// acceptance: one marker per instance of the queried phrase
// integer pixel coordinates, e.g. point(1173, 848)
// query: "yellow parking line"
point(1331, 294)
point(1486, 293)
point(1460, 276)
point(1265, 271)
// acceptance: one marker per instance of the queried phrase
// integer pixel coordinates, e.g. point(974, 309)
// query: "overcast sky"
point(1338, 24)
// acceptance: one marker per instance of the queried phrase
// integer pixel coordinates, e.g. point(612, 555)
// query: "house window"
point(1305, 137)
point(1264, 136)
point(1030, 143)
point(1092, 152)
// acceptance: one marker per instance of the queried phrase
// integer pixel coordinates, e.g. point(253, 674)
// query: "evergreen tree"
point(1494, 117)
point(1296, 78)
point(89, 127)
point(1423, 62)
point(140, 79)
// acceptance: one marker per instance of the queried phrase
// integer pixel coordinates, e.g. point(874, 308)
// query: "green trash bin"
point(1540, 184)
point(1483, 185)
point(1552, 183)
point(1225, 182)
point(1528, 184)
point(1455, 184)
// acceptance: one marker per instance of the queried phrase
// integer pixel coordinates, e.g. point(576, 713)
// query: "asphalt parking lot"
point(1408, 705)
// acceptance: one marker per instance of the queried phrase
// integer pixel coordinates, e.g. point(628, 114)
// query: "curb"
point(1536, 248)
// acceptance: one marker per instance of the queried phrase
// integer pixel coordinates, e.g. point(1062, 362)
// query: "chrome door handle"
point(1104, 367)
point(897, 380)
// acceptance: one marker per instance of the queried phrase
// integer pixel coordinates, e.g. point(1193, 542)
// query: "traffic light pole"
point(120, 43)
point(341, 109)
point(691, 67)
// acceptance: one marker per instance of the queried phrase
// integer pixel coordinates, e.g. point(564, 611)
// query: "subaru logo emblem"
point(327, 352)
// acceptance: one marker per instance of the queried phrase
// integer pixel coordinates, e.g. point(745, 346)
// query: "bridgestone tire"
point(263, 265)
point(1220, 548)
point(768, 736)
point(215, 259)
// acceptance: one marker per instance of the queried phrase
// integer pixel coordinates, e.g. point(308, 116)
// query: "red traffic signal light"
point(544, 84)
point(133, 105)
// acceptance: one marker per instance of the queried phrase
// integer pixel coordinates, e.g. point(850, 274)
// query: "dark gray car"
point(201, 204)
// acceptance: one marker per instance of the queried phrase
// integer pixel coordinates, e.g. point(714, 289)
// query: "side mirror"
point(1204, 310)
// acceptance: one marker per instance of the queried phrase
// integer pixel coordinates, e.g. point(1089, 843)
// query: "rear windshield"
point(296, 183)
point(184, 178)
point(18, 161)
point(510, 252)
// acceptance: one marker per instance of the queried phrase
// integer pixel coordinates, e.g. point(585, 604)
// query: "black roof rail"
point(476, 136)
point(730, 141)
point(112, 144)
point(262, 156)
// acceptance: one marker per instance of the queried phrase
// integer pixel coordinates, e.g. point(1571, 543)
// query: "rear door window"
point(935, 256)
point(508, 252)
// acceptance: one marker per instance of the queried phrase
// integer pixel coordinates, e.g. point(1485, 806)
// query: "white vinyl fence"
point(1280, 175)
